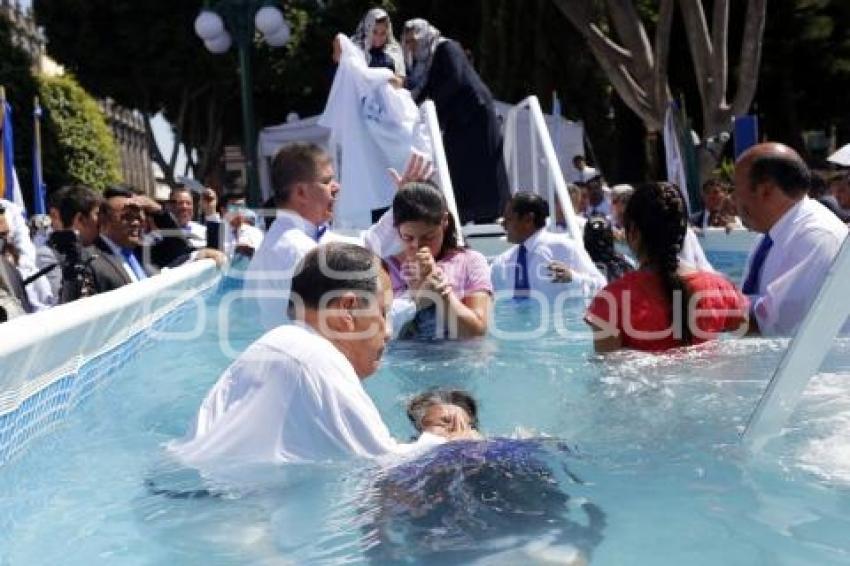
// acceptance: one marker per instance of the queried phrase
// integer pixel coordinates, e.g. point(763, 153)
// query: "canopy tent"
point(841, 157)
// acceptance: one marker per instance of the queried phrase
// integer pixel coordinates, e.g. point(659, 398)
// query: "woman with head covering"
point(374, 36)
point(449, 285)
point(439, 69)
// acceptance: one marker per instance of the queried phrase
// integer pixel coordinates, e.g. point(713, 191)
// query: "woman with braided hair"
point(666, 303)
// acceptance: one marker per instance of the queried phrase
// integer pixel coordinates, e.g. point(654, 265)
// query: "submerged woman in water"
point(449, 285)
point(666, 303)
point(498, 497)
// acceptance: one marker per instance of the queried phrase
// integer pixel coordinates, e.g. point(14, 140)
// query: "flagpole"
point(37, 172)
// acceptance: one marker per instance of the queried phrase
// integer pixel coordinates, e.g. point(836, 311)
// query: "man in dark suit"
point(120, 253)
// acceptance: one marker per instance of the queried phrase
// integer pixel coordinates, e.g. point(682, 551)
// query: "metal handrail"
point(804, 355)
point(539, 135)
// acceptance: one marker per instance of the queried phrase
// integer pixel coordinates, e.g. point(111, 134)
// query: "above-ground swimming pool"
point(631, 460)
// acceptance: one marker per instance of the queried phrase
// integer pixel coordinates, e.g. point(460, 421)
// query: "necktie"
point(134, 264)
point(521, 273)
point(320, 231)
point(751, 285)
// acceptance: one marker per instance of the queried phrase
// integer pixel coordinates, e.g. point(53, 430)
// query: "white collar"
point(781, 227)
point(531, 242)
point(287, 218)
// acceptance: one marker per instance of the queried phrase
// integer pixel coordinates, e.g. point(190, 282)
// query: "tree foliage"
point(145, 55)
point(78, 145)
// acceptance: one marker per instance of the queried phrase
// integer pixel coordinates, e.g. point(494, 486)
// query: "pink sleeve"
point(477, 277)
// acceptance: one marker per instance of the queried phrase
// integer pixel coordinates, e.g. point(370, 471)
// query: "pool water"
point(633, 460)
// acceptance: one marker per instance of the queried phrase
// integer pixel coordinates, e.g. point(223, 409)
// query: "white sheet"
point(375, 126)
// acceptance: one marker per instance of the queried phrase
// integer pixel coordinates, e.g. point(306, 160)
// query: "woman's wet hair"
point(657, 212)
point(419, 405)
point(423, 202)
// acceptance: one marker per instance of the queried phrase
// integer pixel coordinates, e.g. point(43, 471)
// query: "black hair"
point(657, 212)
point(599, 243)
point(333, 268)
point(295, 163)
point(789, 173)
point(75, 199)
point(179, 188)
point(418, 406)
point(233, 194)
point(525, 202)
point(424, 202)
point(118, 191)
point(818, 188)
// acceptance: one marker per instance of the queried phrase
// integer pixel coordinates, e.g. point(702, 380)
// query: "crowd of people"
point(331, 302)
point(408, 271)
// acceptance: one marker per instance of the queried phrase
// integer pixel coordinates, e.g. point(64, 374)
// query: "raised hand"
point(419, 168)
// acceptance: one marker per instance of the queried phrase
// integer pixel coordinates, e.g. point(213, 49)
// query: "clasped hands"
point(424, 278)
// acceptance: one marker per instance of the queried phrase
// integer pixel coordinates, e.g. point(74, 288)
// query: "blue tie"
point(134, 264)
point(521, 273)
point(751, 285)
point(320, 231)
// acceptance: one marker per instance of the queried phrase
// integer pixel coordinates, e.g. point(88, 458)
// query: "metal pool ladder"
point(804, 355)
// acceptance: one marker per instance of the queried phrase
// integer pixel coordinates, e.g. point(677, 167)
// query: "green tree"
point(21, 88)
point(145, 55)
point(78, 145)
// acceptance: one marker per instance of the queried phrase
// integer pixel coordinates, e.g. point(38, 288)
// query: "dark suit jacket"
point(106, 267)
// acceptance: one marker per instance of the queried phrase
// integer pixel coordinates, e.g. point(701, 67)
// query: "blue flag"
point(38, 205)
point(8, 177)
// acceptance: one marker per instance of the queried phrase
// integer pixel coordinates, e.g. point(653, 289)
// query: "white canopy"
point(841, 157)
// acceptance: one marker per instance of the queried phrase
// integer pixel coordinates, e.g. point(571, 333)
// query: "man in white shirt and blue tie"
point(800, 238)
point(541, 261)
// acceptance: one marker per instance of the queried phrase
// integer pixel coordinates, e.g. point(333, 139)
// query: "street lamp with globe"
point(225, 22)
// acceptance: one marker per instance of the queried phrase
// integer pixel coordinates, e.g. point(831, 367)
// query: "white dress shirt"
point(805, 242)
point(692, 252)
point(196, 234)
point(245, 235)
point(290, 397)
point(543, 247)
point(290, 238)
point(38, 292)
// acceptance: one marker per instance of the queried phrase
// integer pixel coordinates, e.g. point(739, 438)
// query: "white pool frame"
point(50, 361)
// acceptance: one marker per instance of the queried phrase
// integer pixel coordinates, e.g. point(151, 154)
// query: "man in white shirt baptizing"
point(801, 237)
point(295, 395)
point(305, 190)
point(541, 261)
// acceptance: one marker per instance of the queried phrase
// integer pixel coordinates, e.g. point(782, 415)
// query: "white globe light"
point(208, 25)
point(219, 44)
point(280, 38)
point(269, 20)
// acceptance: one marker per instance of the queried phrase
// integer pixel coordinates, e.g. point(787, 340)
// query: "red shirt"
point(637, 308)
